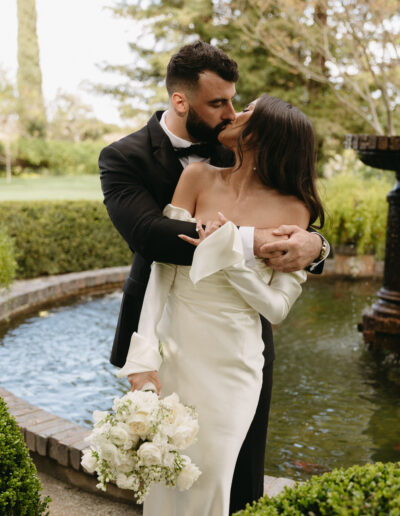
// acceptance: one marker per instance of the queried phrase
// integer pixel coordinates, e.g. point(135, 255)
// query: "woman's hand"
point(137, 380)
point(211, 226)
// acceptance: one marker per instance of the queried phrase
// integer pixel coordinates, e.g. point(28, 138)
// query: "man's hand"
point(295, 250)
point(137, 380)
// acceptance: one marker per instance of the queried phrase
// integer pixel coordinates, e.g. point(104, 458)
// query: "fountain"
point(381, 324)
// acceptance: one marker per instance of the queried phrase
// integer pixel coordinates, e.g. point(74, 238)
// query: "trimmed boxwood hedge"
point(7, 259)
point(56, 237)
point(19, 483)
point(369, 490)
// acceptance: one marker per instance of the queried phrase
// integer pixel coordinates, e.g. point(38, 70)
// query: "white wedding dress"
point(205, 319)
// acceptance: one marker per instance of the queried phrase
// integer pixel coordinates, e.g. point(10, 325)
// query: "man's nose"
point(229, 112)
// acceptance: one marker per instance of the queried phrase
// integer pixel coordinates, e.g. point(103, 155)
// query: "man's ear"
point(180, 104)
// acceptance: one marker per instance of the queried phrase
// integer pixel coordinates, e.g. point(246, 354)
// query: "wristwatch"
point(324, 250)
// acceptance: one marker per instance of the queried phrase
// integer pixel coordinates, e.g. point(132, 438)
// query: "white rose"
point(89, 461)
point(185, 434)
point(143, 400)
point(174, 406)
point(120, 435)
point(139, 423)
point(98, 436)
point(189, 474)
point(149, 454)
point(110, 453)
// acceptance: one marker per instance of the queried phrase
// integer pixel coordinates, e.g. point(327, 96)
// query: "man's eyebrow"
point(222, 99)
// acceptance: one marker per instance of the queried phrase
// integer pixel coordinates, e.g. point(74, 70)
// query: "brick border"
point(26, 295)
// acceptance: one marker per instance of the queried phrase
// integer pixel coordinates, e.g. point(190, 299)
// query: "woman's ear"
point(180, 103)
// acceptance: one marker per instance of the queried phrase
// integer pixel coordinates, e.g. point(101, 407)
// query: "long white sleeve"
point(269, 292)
point(144, 353)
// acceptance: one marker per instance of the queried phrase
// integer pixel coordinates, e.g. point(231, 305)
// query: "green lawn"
point(51, 187)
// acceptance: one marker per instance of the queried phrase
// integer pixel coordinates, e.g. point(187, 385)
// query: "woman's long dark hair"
point(283, 141)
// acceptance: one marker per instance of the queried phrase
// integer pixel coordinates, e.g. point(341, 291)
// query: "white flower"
point(149, 454)
point(89, 461)
point(189, 474)
point(185, 434)
point(168, 460)
point(120, 435)
point(110, 453)
point(139, 423)
point(99, 415)
point(173, 404)
point(124, 482)
point(143, 400)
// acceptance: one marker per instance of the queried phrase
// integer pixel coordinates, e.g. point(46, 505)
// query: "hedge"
point(57, 157)
point(7, 259)
point(19, 484)
point(356, 210)
point(56, 237)
point(369, 490)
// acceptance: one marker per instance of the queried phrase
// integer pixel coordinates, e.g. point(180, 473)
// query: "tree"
point(72, 120)
point(356, 42)
point(162, 26)
point(31, 110)
point(8, 118)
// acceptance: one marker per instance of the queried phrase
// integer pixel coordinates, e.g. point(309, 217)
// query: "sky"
point(74, 36)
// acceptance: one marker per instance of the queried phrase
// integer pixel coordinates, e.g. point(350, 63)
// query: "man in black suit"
point(138, 176)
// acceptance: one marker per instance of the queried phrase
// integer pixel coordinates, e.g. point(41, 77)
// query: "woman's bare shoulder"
point(296, 211)
point(197, 169)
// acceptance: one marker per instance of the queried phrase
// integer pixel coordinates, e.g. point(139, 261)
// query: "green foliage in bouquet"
point(19, 484)
point(56, 237)
point(370, 490)
point(356, 212)
point(8, 263)
point(56, 157)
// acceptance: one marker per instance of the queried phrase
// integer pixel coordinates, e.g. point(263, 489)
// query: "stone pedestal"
point(381, 324)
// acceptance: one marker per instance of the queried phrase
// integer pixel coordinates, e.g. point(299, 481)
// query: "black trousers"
point(248, 477)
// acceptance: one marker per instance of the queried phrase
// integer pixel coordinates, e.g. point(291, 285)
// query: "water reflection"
point(332, 405)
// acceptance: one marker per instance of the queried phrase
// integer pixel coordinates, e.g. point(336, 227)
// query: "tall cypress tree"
point(31, 109)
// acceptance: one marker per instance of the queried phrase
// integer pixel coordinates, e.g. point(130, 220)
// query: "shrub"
point(8, 264)
point(57, 157)
point(356, 212)
point(56, 237)
point(373, 489)
point(19, 484)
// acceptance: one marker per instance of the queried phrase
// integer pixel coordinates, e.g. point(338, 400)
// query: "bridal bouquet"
point(140, 443)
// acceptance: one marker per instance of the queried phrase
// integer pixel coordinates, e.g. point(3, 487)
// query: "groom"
point(139, 174)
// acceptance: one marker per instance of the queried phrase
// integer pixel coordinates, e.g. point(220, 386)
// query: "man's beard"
point(200, 130)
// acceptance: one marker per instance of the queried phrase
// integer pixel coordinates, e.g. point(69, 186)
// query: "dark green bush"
point(7, 259)
point(57, 157)
point(56, 237)
point(370, 490)
point(19, 484)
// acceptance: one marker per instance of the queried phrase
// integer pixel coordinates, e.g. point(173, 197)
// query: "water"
point(332, 405)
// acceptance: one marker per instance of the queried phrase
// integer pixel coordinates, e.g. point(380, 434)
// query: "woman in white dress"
point(200, 332)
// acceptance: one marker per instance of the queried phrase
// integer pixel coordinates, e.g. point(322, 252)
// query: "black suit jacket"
point(138, 176)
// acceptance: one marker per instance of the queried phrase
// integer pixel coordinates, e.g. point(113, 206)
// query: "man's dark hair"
point(185, 67)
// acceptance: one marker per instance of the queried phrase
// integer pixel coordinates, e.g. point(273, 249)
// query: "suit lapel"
point(162, 149)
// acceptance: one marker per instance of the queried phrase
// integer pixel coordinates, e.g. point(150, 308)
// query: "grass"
point(34, 188)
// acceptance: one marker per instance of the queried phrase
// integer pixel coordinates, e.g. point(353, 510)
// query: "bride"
point(200, 332)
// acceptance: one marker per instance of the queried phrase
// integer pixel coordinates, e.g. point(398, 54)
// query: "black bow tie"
point(199, 149)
